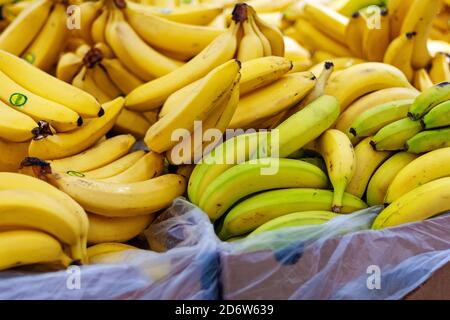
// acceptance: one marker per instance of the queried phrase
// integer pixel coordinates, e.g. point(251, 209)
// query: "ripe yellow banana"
point(104, 82)
point(438, 117)
point(249, 178)
point(133, 52)
point(12, 155)
point(399, 53)
point(264, 6)
point(398, 9)
point(200, 14)
point(394, 136)
point(358, 80)
point(267, 49)
point(429, 140)
point(426, 168)
point(376, 39)
point(122, 200)
point(338, 64)
point(250, 46)
point(106, 229)
point(152, 95)
point(149, 166)
point(99, 26)
point(257, 210)
point(370, 101)
point(197, 107)
point(419, 204)
point(273, 34)
point(440, 69)
point(25, 247)
point(67, 144)
point(123, 79)
point(84, 80)
point(367, 161)
point(48, 87)
point(14, 125)
point(21, 32)
point(422, 80)
point(354, 34)
point(385, 174)
point(272, 99)
point(99, 250)
point(337, 151)
point(95, 157)
point(347, 7)
point(131, 122)
point(116, 167)
point(88, 13)
point(68, 66)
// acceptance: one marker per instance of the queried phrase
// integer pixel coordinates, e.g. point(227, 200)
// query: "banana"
point(233, 151)
point(131, 122)
point(152, 94)
point(385, 174)
point(48, 87)
point(12, 9)
point(105, 229)
point(399, 53)
point(429, 99)
point(99, 26)
point(15, 126)
point(370, 101)
point(273, 34)
point(133, 52)
point(272, 99)
point(367, 162)
point(394, 135)
point(44, 213)
point(438, 117)
point(422, 80)
point(330, 22)
point(250, 46)
point(38, 108)
point(337, 151)
point(67, 144)
point(88, 13)
point(169, 35)
point(264, 6)
point(21, 32)
point(372, 120)
point(257, 210)
point(307, 124)
point(12, 155)
point(398, 9)
point(123, 79)
point(347, 7)
point(45, 49)
point(84, 80)
point(101, 249)
point(116, 167)
point(260, 72)
point(197, 107)
point(419, 204)
point(25, 247)
point(428, 141)
point(294, 51)
point(200, 14)
point(149, 166)
point(354, 34)
point(68, 66)
point(358, 80)
point(122, 200)
point(295, 219)
point(249, 178)
point(178, 97)
point(426, 168)
point(440, 70)
point(104, 82)
point(267, 49)
point(419, 19)
point(376, 40)
point(319, 41)
point(95, 157)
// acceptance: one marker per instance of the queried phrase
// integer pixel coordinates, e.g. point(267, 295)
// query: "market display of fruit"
point(111, 111)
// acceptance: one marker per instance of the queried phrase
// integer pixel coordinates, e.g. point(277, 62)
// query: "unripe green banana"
point(438, 117)
point(429, 140)
point(428, 99)
point(394, 135)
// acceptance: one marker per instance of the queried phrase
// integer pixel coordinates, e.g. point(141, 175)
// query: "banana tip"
point(336, 209)
point(101, 112)
point(374, 145)
point(80, 121)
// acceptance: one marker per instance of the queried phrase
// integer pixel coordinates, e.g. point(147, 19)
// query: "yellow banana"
point(101, 249)
point(338, 64)
point(15, 126)
point(123, 79)
point(267, 49)
point(116, 167)
point(104, 82)
point(376, 40)
point(200, 14)
point(68, 66)
point(99, 26)
point(250, 46)
point(440, 69)
point(422, 80)
point(398, 9)
point(273, 34)
point(132, 122)
point(88, 13)
point(84, 80)
point(264, 6)
point(12, 155)
point(399, 53)
point(354, 34)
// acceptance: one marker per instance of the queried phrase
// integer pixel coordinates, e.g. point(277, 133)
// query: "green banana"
point(429, 140)
point(394, 135)
point(428, 99)
point(438, 117)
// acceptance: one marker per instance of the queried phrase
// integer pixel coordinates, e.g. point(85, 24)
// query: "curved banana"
point(428, 141)
point(25, 247)
point(250, 46)
point(98, 250)
point(88, 13)
point(369, 122)
point(376, 40)
point(196, 108)
point(21, 32)
point(84, 80)
point(399, 53)
point(337, 151)
point(123, 79)
point(354, 34)
point(14, 125)
point(250, 177)
point(394, 135)
point(429, 99)
point(48, 87)
point(273, 34)
point(267, 49)
point(12, 155)
point(440, 70)
point(67, 144)
point(68, 66)
point(295, 219)
point(398, 9)
point(438, 117)
point(99, 26)
point(422, 80)
point(104, 82)
point(43, 213)
point(106, 229)
point(426, 168)
point(257, 210)
point(264, 6)
point(149, 166)
point(200, 14)
point(419, 204)
point(367, 162)
point(358, 80)
point(95, 157)
point(370, 101)
point(116, 167)
point(338, 64)
point(133, 52)
point(122, 200)
point(131, 122)
point(385, 174)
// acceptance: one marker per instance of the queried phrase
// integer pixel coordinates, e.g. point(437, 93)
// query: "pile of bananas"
point(335, 106)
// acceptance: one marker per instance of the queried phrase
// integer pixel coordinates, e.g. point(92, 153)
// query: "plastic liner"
point(331, 261)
